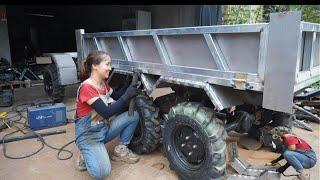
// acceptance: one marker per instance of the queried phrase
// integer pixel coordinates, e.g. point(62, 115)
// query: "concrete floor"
point(45, 165)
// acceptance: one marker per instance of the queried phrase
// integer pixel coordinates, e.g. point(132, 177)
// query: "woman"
point(96, 103)
point(298, 153)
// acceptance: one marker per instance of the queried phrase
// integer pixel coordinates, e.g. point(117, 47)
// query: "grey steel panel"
point(79, 40)
point(313, 50)
point(112, 46)
point(223, 97)
point(142, 48)
point(307, 50)
point(96, 43)
point(281, 63)
point(300, 52)
point(189, 51)
point(159, 69)
point(244, 28)
point(306, 26)
point(316, 61)
point(125, 48)
point(218, 56)
point(89, 45)
point(161, 50)
point(241, 51)
point(262, 52)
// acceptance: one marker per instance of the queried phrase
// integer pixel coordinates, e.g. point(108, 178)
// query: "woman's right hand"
point(131, 91)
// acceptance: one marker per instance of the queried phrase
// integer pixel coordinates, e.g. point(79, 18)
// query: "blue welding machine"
point(41, 117)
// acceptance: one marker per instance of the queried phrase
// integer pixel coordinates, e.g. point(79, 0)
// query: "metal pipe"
point(316, 118)
point(30, 136)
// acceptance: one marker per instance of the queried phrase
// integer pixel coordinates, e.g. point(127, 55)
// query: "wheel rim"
point(48, 86)
point(188, 146)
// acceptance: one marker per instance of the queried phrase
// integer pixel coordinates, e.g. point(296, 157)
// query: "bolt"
point(182, 145)
point(190, 153)
point(194, 146)
point(187, 137)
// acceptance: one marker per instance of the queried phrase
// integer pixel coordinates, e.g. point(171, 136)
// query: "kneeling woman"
point(96, 103)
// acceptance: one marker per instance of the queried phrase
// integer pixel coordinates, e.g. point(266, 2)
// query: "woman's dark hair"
point(94, 57)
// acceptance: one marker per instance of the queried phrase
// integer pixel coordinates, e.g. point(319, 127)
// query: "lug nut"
point(190, 153)
point(182, 145)
point(194, 146)
point(187, 137)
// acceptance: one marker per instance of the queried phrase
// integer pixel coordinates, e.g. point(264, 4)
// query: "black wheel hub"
point(188, 145)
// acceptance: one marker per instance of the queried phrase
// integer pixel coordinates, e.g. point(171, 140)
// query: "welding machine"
point(46, 116)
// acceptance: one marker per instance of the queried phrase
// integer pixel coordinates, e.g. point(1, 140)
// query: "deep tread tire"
point(211, 132)
point(52, 85)
point(147, 139)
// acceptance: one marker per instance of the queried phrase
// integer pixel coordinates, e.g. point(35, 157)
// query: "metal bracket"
point(246, 170)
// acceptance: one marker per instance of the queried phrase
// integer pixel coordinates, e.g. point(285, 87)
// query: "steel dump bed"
point(275, 59)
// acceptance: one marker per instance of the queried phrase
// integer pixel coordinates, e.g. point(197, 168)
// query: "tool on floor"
point(46, 116)
point(246, 170)
point(3, 116)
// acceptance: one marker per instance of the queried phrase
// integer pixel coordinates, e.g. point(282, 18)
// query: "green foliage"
point(242, 14)
point(309, 13)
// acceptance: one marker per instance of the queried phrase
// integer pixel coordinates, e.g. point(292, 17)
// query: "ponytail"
point(94, 57)
point(83, 73)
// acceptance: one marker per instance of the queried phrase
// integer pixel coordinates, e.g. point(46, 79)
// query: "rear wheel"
point(195, 142)
point(52, 85)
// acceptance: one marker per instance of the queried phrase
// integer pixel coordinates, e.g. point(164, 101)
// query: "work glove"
point(283, 168)
point(275, 161)
point(131, 91)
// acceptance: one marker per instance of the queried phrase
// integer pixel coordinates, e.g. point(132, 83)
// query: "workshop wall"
point(4, 38)
point(52, 28)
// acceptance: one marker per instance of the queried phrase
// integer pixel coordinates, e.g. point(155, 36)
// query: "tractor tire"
point(52, 85)
point(195, 142)
point(147, 135)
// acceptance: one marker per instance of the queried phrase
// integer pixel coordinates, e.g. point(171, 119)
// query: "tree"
point(241, 14)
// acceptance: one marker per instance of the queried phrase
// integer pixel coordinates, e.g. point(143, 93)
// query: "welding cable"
point(67, 144)
point(4, 149)
point(20, 116)
point(289, 175)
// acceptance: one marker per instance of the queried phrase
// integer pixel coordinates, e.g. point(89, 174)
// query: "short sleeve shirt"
point(86, 92)
point(300, 143)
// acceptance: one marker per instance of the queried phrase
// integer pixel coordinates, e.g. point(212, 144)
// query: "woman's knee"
point(287, 154)
point(99, 172)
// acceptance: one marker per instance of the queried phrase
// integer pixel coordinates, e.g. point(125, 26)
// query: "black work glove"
point(278, 159)
point(283, 168)
point(131, 92)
